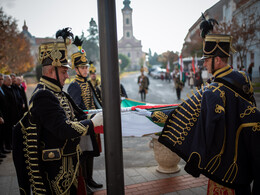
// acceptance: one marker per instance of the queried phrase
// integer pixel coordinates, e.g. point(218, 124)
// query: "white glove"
point(143, 112)
point(97, 120)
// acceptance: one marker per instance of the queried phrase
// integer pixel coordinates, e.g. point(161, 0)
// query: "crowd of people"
point(13, 104)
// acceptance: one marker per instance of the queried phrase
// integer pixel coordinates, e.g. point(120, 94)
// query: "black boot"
point(89, 190)
point(90, 182)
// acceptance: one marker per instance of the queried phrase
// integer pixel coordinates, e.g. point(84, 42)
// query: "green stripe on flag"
point(130, 102)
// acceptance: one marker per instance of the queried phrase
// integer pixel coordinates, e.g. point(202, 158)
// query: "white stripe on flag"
point(137, 125)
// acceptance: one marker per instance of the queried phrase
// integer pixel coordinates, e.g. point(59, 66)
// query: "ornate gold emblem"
point(83, 58)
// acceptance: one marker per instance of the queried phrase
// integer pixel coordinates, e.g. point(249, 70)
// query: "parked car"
point(156, 74)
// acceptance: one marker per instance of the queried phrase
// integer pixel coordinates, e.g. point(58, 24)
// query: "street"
point(160, 92)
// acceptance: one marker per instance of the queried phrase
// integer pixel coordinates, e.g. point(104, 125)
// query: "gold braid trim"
point(198, 156)
point(232, 171)
point(217, 158)
point(248, 111)
point(31, 150)
point(67, 175)
point(188, 119)
point(219, 109)
point(173, 141)
point(78, 127)
point(160, 116)
point(256, 127)
point(236, 94)
point(198, 91)
point(87, 96)
point(184, 127)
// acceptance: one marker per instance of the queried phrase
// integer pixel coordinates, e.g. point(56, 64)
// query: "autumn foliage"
point(15, 54)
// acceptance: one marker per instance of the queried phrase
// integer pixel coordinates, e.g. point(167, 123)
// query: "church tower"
point(128, 44)
point(127, 20)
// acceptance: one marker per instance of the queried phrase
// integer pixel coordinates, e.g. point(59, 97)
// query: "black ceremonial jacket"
point(46, 141)
point(84, 94)
point(217, 131)
point(87, 98)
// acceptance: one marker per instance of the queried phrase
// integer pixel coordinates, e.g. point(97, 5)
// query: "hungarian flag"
point(193, 65)
point(181, 67)
point(168, 67)
point(196, 61)
point(135, 124)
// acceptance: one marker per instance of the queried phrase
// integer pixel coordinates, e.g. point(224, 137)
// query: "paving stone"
point(199, 191)
point(128, 180)
point(146, 174)
point(185, 192)
point(131, 172)
point(138, 179)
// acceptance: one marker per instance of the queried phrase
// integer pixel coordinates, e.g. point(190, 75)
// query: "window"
point(127, 20)
point(127, 34)
point(129, 55)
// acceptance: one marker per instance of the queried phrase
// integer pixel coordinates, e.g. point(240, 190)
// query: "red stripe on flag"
point(154, 106)
point(193, 65)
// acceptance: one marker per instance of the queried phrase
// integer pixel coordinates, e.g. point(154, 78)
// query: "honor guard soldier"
point(46, 140)
point(86, 97)
point(217, 130)
point(143, 82)
point(93, 79)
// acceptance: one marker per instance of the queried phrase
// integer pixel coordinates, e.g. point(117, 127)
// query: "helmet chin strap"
point(213, 65)
point(80, 74)
point(57, 75)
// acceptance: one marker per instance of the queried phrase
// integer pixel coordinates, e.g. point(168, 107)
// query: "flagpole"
point(111, 96)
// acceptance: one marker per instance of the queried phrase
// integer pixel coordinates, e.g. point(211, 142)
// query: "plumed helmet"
point(92, 69)
point(214, 44)
point(55, 53)
point(79, 58)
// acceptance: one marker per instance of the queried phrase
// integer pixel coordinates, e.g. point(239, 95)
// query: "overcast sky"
point(160, 25)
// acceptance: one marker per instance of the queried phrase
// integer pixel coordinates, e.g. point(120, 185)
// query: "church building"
point(128, 45)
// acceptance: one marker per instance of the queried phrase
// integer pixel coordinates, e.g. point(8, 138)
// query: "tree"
point(194, 47)
point(15, 53)
point(153, 59)
point(168, 56)
point(244, 32)
point(124, 61)
point(90, 45)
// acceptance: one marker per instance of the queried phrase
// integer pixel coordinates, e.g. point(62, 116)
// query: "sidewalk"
point(140, 180)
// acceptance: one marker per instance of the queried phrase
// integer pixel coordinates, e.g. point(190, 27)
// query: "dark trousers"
point(1, 138)
point(143, 95)
point(178, 92)
point(8, 132)
point(86, 162)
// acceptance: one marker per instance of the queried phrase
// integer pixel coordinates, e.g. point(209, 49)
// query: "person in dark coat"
point(217, 130)
point(178, 85)
point(198, 78)
point(18, 98)
point(12, 116)
point(22, 94)
point(143, 82)
point(46, 141)
point(84, 93)
point(3, 120)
